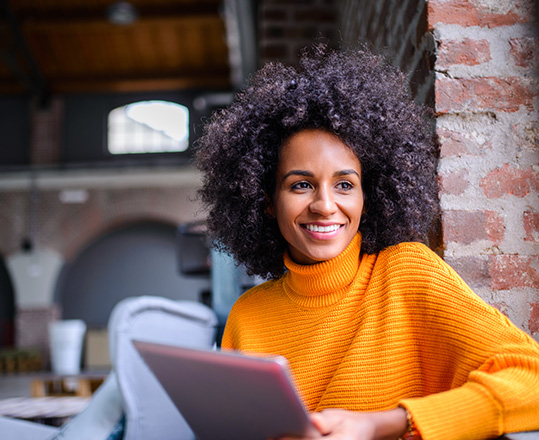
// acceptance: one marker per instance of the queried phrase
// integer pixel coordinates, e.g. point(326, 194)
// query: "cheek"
point(286, 215)
point(355, 211)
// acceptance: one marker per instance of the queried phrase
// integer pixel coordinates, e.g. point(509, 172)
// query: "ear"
point(268, 209)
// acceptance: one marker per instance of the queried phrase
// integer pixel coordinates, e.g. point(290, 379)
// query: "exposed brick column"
point(486, 98)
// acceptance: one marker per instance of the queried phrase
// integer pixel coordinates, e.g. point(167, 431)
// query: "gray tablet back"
point(228, 395)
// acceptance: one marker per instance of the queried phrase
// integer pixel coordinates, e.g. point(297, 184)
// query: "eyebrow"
point(309, 174)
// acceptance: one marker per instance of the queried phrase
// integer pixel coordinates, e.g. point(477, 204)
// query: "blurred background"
point(101, 102)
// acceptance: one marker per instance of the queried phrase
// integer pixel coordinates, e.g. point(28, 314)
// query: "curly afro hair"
point(355, 95)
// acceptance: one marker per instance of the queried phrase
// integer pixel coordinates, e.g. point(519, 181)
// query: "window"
point(148, 127)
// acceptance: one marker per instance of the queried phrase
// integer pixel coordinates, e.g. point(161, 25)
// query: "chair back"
point(148, 410)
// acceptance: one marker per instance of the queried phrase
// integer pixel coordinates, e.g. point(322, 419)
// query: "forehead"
point(315, 148)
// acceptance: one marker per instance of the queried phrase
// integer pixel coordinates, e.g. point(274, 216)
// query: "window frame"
point(85, 128)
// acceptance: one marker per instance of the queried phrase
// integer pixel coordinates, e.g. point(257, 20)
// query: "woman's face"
point(318, 199)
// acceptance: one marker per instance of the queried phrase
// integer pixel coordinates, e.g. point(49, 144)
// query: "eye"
point(345, 185)
point(300, 185)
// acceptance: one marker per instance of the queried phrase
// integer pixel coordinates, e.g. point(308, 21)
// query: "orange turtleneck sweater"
point(369, 332)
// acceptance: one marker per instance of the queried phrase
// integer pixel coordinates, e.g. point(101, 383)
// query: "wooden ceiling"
point(65, 46)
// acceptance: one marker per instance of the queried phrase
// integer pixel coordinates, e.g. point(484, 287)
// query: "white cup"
point(66, 338)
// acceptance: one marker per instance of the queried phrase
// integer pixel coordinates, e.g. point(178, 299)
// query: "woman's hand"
point(340, 424)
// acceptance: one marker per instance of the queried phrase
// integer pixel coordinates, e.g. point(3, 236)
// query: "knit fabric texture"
point(368, 332)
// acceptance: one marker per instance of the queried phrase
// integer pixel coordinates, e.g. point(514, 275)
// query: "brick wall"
point(68, 228)
point(475, 62)
point(398, 29)
point(286, 26)
point(32, 330)
point(487, 100)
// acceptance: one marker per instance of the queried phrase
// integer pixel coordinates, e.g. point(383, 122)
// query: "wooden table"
point(81, 385)
point(53, 411)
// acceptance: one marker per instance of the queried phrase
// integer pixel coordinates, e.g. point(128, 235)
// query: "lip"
point(322, 235)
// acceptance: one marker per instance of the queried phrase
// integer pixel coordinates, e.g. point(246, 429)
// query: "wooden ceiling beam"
point(84, 28)
point(110, 85)
point(90, 24)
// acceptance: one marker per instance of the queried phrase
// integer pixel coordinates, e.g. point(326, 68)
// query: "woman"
point(321, 178)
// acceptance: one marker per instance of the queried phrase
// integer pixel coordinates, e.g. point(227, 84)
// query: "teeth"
point(316, 228)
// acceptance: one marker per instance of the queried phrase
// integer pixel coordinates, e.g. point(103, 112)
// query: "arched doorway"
point(137, 259)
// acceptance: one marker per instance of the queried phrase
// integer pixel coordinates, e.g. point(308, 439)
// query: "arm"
point(499, 397)
point(495, 365)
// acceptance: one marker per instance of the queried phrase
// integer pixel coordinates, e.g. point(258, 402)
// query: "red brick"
point(514, 271)
point(473, 270)
point(534, 318)
point(468, 52)
point(524, 51)
point(531, 226)
point(455, 182)
point(482, 94)
point(494, 227)
point(510, 181)
point(466, 227)
point(472, 13)
point(456, 144)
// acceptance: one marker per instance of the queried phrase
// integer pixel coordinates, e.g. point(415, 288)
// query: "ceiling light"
point(122, 13)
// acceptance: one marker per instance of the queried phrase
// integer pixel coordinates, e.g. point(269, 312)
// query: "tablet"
point(229, 395)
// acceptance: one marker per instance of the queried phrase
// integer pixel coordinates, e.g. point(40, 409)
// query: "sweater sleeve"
point(501, 390)
point(498, 398)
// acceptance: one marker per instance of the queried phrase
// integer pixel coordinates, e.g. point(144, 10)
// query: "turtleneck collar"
point(322, 284)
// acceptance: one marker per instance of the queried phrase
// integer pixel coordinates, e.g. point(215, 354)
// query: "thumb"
point(323, 422)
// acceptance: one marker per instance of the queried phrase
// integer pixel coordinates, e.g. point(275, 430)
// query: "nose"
point(323, 202)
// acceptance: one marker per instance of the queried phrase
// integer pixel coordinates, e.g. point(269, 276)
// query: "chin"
point(323, 256)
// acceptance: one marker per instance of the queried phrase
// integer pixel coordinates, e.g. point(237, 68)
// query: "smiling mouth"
point(323, 229)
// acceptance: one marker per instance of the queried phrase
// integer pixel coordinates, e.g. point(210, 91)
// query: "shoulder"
point(412, 263)
point(246, 312)
point(260, 294)
point(413, 255)
point(427, 282)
